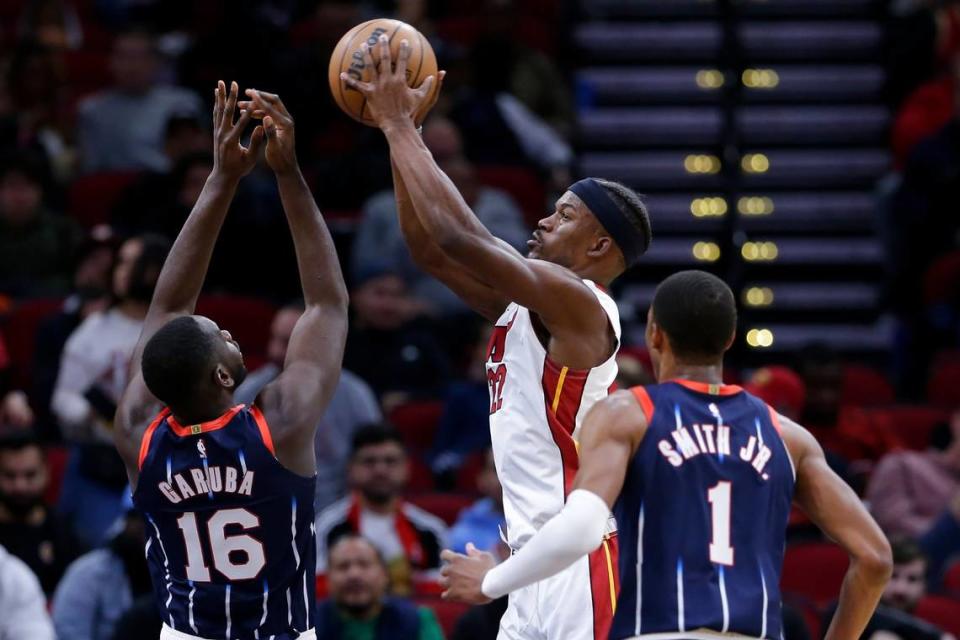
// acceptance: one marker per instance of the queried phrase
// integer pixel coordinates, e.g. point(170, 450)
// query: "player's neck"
point(209, 411)
point(706, 373)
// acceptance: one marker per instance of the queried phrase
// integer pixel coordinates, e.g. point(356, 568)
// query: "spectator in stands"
point(90, 294)
point(28, 528)
point(910, 489)
point(23, 607)
point(99, 587)
point(353, 405)
point(907, 586)
point(160, 202)
point(390, 345)
point(846, 431)
point(481, 524)
point(359, 606)
point(481, 622)
point(37, 246)
point(379, 243)
point(941, 543)
point(409, 538)
point(52, 23)
point(122, 128)
point(40, 108)
point(15, 411)
point(781, 388)
point(464, 426)
point(92, 375)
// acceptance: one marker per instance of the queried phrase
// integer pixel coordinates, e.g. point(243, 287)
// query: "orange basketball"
point(348, 58)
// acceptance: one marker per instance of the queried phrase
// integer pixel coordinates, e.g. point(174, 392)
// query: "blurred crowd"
point(104, 147)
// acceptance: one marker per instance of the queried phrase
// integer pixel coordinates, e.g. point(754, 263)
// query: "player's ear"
point(224, 379)
point(600, 247)
point(733, 336)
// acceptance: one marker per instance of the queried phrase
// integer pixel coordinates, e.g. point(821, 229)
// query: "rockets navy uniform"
point(230, 538)
point(702, 516)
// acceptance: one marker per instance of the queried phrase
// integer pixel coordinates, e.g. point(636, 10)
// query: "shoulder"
point(92, 105)
point(92, 565)
point(16, 573)
point(88, 330)
point(331, 516)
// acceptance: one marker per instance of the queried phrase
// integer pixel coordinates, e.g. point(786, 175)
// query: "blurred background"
point(807, 151)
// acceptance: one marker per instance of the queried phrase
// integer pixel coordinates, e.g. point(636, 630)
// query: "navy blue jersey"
point(703, 515)
point(230, 538)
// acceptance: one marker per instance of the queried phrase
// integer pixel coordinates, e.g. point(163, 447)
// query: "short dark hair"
point(20, 440)
point(632, 207)
point(374, 434)
point(176, 359)
point(345, 536)
point(906, 550)
point(698, 313)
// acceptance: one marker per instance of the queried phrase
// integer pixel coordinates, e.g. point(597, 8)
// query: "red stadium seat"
point(417, 423)
point(421, 477)
point(247, 319)
point(814, 571)
point(940, 611)
point(942, 387)
point(448, 613)
point(467, 473)
point(865, 387)
point(19, 332)
point(951, 579)
point(92, 197)
point(446, 506)
point(57, 457)
point(911, 424)
point(88, 71)
point(522, 184)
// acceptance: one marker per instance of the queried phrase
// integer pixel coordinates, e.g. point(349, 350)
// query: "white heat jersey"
point(536, 408)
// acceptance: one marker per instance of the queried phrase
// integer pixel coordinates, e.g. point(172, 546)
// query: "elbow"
point(876, 561)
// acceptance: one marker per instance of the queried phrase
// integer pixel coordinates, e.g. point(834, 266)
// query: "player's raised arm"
point(611, 433)
point(185, 269)
point(564, 303)
point(833, 506)
point(294, 403)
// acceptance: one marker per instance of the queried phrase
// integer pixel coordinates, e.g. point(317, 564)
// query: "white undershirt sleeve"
point(571, 534)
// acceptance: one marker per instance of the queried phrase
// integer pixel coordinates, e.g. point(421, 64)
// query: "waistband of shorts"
point(169, 633)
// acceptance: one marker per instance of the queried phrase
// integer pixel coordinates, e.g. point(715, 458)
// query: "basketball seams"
point(343, 55)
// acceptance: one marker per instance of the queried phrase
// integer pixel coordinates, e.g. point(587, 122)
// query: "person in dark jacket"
point(358, 606)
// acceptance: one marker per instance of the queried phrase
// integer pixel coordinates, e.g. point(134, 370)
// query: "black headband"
point(632, 243)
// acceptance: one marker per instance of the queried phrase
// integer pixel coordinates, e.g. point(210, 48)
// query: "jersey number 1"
point(222, 545)
point(720, 496)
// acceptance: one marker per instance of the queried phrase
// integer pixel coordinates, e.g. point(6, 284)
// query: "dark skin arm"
point(567, 308)
point(833, 506)
point(611, 434)
point(294, 403)
point(185, 269)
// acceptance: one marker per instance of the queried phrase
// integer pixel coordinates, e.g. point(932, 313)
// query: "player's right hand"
point(278, 125)
point(230, 158)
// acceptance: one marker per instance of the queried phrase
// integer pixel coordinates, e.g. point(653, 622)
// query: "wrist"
point(398, 126)
point(218, 178)
point(488, 586)
point(291, 174)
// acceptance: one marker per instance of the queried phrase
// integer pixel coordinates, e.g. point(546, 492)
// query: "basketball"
point(348, 58)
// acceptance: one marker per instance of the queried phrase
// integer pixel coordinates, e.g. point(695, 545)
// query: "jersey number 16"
point(222, 545)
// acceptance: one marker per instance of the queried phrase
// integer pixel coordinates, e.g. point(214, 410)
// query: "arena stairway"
point(757, 131)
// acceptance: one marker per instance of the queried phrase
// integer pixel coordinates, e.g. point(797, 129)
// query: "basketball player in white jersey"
point(552, 353)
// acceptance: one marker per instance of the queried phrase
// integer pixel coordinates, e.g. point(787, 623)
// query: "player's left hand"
point(462, 575)
point(389, 99)
point(278, 125)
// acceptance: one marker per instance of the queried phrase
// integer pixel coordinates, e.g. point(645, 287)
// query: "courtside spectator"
point(359, 606)
point(37, 246)
point(100, 586)
point(23, 608)
point(408, 538)
point(29, 529)
point(352, 406)
point(909, 490)
point(123, 128)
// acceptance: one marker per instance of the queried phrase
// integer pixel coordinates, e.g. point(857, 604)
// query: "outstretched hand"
point(230, 158)
point(390, 101)
point(278, 125)
point(462, 575)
